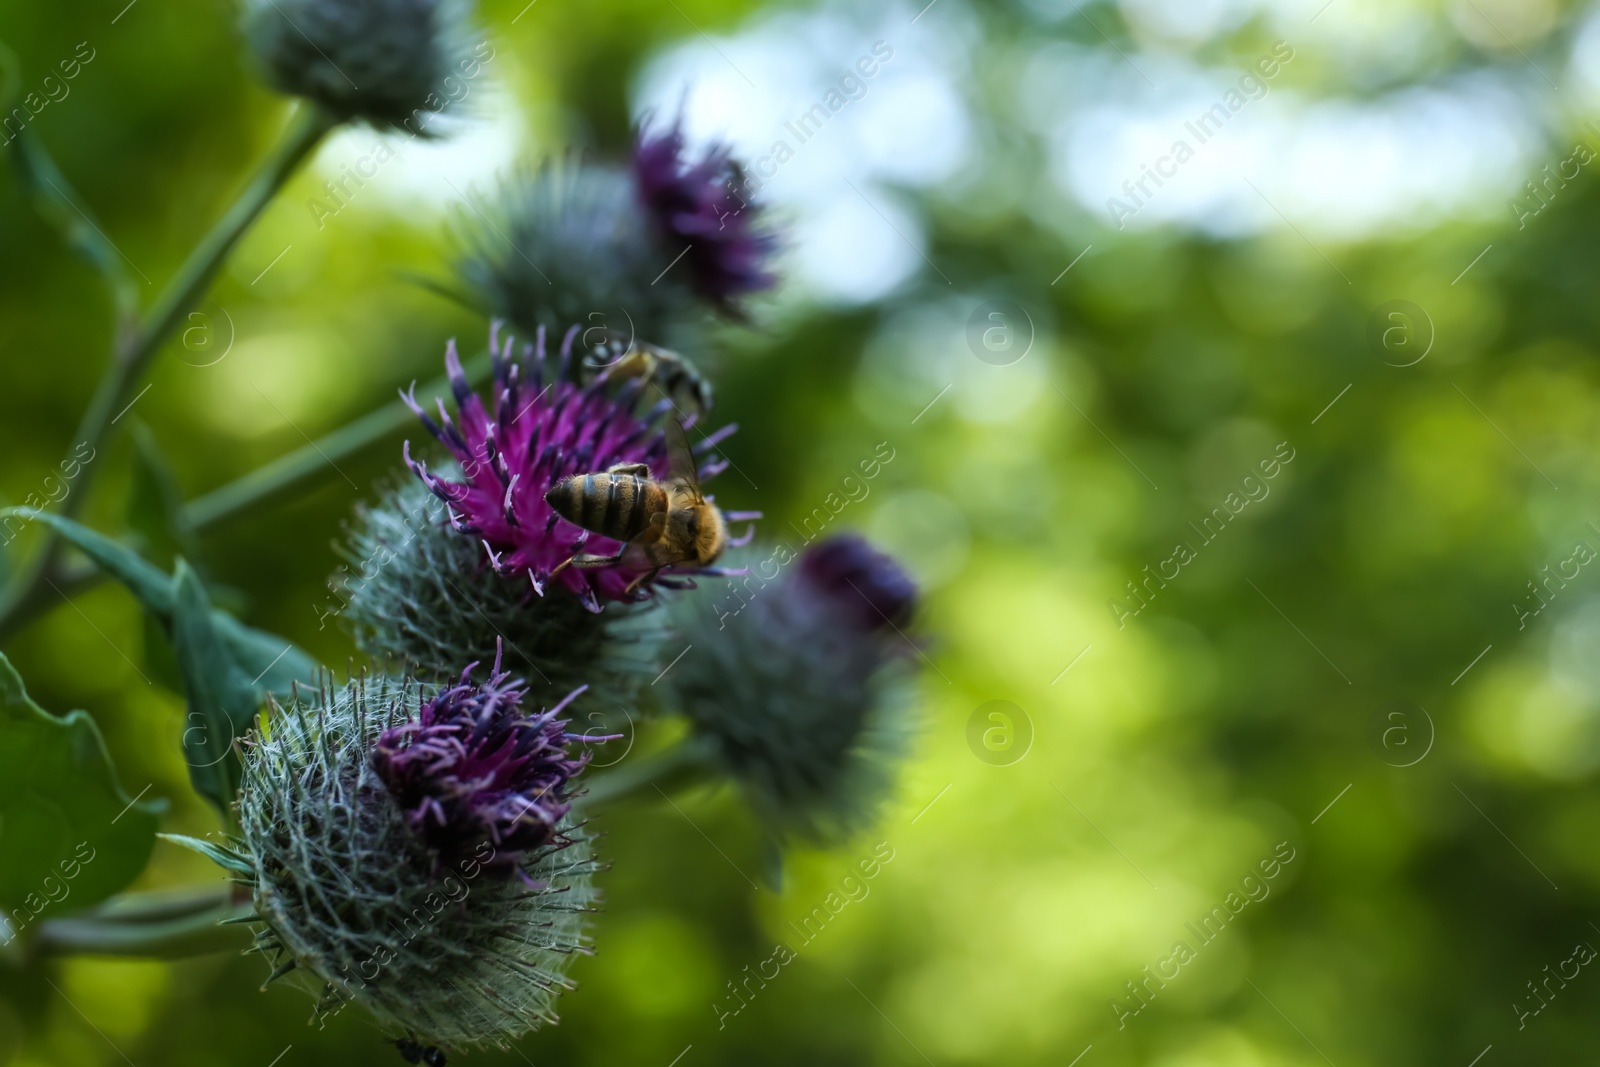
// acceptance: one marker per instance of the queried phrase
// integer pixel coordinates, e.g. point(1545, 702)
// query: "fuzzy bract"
point(570, 242)
point(394, 63)
point(796, 679)
point(357, 906)
point(417, 593)
point(628, 252)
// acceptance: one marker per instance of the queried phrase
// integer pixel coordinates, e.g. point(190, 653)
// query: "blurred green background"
point(1352, 666)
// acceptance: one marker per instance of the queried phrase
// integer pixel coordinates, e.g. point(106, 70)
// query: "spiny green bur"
point(352, 907)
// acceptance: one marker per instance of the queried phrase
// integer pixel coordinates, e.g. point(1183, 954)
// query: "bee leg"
point(597, 561)
point(648, 576)
point(582, 560)
point(638, 470)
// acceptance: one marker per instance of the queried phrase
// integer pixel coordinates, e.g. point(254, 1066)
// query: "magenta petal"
point(473, 768)
point(543, 428)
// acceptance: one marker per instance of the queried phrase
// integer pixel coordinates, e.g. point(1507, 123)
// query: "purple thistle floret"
point(864, 584)
point(703, 214)
point(544, 428)
point(473, 768)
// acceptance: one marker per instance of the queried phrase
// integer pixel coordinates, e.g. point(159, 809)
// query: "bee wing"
point(633, 553)
point(652, 531)
point(681, 467)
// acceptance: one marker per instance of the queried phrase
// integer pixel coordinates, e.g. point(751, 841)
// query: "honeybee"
point(659, 522)
point(617, 359)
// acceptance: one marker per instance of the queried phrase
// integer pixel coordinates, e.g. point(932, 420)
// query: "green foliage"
point(227, 668)
point(1398, 545)
point(59, 792)
point(48, 188)
point(229, 859)
point(155, 500)
point(269, 661)
point(222, 698)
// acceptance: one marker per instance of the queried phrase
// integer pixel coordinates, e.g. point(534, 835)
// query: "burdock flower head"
point(442, 579)
point(380, 830)
point(573, 244)
point(796, 682)
point(631, 250)
point(472, 767)
point(390, 62)
point(540, 433)
point(702, 213)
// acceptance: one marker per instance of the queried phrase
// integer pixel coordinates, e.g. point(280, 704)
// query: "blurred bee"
point(659, 522)
point(619, 359)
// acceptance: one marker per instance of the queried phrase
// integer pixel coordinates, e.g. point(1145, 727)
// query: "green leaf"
point(226, 668)
point(272, 662)
point(147, 583)
point(69, 835)
point(155, 505)
point(159, 665)
point(221, 855)
point(222, 698)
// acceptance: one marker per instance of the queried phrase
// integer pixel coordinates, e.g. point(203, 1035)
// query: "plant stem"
point(682, 764)
point(286, 470)
point(251, 489)
point(306, 129)
point(148, 925)
point(135, 349)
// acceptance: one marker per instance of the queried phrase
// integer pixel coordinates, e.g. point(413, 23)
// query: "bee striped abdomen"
point(615, 505)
